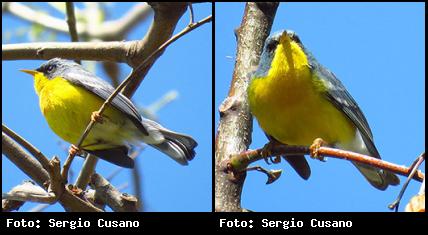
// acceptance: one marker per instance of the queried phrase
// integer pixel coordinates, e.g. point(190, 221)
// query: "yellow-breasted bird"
point(69, 94)
point(296, 100)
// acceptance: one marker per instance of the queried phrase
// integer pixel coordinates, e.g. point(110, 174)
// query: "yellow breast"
point(289, 103)
point(68, 108)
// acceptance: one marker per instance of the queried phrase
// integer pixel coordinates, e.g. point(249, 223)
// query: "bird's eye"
point(50, 68)
point(295, 38)
point(271, 46)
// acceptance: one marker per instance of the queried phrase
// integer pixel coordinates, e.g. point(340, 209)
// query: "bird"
point(297, 100)
point(68, 97)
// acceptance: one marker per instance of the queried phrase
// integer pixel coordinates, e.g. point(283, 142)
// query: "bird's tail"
point(178, 146)
point(380, 179)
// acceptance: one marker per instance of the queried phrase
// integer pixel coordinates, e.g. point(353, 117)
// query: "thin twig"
point(85, 175)
point(71, 21)
point(192, 18)
point(414, 167)
point(125, 82)
point(136, 177)
point(39, 208)
point(108, 30)
point(395, 168)
point(28, 146)
point(239, 162)
point(35, 171)
point(136, 72)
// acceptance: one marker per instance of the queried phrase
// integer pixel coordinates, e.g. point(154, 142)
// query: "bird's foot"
point(266, 153)
point(74, 150)
point(96, 117)
point(314, 148)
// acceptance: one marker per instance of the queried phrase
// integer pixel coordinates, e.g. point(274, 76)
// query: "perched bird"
point(68, 96)
point(296, 100)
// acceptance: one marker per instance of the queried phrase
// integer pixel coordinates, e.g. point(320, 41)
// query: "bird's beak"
point(284, 38)
point(31, 72)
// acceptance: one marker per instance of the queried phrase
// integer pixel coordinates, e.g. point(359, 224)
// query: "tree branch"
point(29, 147)
point(29, 192)
point(88, 169)
point(71, 21)
point(17, 155)
point(239, 162)
point(107, 31)
point(118, 29)
point(234, 131)
point(166, 16)
point(117, 201)
point(35, 171)
point(26, 13)
point(136, 178)
point(138, 73)
point(98, 51)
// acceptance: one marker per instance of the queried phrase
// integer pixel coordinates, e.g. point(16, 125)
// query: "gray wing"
point(102, 89)
point(344, 102)
point(341, 98)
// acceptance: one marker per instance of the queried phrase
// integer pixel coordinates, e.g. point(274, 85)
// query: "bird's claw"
point(314, 148)
point(74, 150)
point(96, 117)
point(267, 154)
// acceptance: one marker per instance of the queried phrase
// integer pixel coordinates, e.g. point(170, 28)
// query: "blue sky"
point(378, 51)
point(185, 67)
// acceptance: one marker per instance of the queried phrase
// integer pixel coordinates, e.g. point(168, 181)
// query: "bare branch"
point(35, 171)
point(107, 31)
point(17, 155)
point(37, 17)
point(11, 205)
point(166, 16)
point(90, 196)
point(39, 208)
point(29, 147)
point(71, 21)
point(118, 29)
point(29, 192)
point(234, 131)
point(72, 203)
point(136, 177)
point(52, 167)
point(192, 18)
point(85, 175)
point(99, 51)
point(113, 72)
point(413, 170)
point(162, 102)
point(137, 75)
point(116, 200)
point(239, 162)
